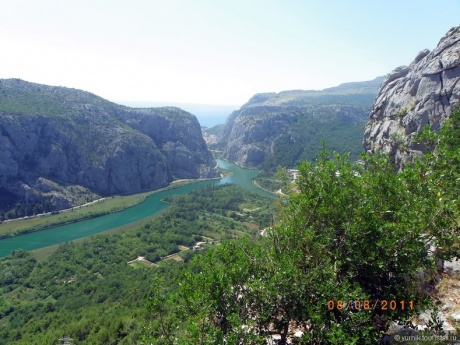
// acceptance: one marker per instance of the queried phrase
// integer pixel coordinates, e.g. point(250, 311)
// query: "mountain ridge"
point(59, 136)
point(282, 128)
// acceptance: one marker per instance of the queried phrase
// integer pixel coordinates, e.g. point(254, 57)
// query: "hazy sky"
point(213, 51)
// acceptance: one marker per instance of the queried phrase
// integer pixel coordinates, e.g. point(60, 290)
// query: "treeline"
point(21, 209)
point(221, 202)
point(12, 207)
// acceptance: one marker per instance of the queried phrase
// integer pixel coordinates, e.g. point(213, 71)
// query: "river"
point(147, 208)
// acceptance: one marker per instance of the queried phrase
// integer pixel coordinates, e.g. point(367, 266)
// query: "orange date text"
point(367, 304)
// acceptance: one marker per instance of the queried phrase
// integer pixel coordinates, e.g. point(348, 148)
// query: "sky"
point(213, 51)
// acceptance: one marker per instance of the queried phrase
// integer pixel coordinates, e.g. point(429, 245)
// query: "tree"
point(355, 231)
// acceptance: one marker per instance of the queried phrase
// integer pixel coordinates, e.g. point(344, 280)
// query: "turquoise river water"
point(147, 208)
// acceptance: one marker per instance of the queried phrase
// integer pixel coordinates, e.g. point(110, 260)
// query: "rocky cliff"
point(283, 128)
point(54, 137)
point(413, 96)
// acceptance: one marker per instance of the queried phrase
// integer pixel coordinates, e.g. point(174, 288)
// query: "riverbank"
point(278, 193)
point(195, 180)
point(96, 208)
point(44, 252)
point(40, 232)
point(51, 213)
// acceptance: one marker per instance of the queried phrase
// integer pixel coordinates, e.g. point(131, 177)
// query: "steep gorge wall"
point(284, 128)
point(413, 96)
point(53, 137)
point(178, 137)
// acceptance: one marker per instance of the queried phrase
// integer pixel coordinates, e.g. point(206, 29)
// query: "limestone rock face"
point(174, 131)
point(413, 96)
point(53, 137)
point(287, 127)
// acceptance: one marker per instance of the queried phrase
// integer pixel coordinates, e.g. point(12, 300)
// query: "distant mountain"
point(54, 141)
point(211, 134)
point(207, 114)
point(287, 127)
point(413, 96)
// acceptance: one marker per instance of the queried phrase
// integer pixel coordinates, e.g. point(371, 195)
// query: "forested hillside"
point(286, 128)
point(88, 290)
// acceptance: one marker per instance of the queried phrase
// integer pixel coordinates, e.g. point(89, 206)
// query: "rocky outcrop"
point(53, 137)
point(413, 96)
point(283, 128)
point(178, 136)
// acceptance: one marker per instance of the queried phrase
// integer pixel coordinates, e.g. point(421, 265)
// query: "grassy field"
point(142, 264)
point(108, 205)
point(175, 257)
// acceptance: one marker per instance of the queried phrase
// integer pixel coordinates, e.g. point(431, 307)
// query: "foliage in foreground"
point(355, 232)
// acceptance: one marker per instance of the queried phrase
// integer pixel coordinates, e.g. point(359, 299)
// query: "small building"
point(65, 340)
point(293, 174)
